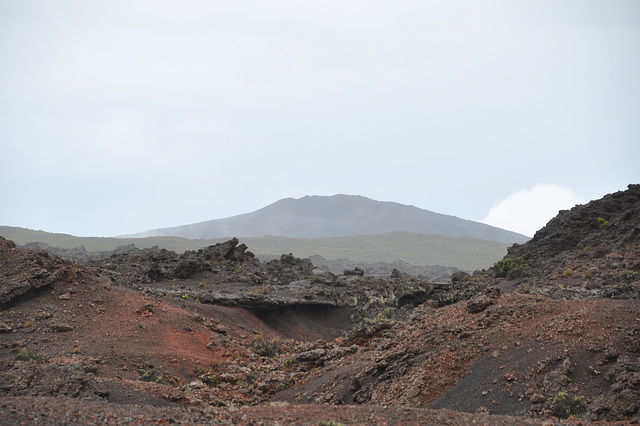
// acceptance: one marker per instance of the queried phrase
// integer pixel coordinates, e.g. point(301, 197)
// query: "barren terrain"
point(551, 333)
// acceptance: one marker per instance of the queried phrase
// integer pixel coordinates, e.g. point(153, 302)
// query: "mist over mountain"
point(337, 216)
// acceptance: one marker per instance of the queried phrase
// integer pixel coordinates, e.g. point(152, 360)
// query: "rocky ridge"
point(230, 275)
point(590, 251)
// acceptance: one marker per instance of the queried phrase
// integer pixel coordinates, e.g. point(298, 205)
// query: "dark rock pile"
point(26, 271)
point(590, 251)
point(228, 274)
point(610, 223)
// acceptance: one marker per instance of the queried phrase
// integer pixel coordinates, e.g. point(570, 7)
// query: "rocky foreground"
point(216, 336)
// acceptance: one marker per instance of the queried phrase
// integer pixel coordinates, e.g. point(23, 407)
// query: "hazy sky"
point(122, 116)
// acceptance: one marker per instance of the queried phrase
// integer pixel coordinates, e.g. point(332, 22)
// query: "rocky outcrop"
point(26, 271)
point(624, 400)
point(133, 265)
point(228, 274)
point(590, 251)
point(612, 221)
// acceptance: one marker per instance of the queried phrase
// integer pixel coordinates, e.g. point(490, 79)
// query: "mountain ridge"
point(464, 253)
point(316, 216)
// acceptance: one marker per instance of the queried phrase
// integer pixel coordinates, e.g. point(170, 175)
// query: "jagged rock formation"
point(228, 274)
point(27, 271)
point(590, 251)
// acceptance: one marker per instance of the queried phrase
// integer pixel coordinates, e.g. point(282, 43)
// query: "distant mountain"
point(337, 216)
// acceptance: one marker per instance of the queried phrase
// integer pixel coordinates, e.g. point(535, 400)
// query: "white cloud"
point(528, 210)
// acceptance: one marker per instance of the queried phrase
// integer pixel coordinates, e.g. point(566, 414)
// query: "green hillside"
point(463, 253)
point(421, 249)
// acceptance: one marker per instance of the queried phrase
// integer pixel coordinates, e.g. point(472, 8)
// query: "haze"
point(122, 116)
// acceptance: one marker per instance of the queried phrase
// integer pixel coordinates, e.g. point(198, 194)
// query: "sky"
point(118, 117)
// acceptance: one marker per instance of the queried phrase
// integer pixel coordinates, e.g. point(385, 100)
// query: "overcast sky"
point(122, 116)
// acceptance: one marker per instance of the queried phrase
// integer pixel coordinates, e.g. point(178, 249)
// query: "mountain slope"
point(337, 216)
point(612, 221)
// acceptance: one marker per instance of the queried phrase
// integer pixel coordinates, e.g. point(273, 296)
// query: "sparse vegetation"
point(381, 316)
point(565, 405)
point(602, 222)
point(210, 379)
point(289, 362)
point(152, 375)
point(510, 268)
point(629, 276)
point(265, 289)
point(22, 354)
point(329, 423)
point(263, 347)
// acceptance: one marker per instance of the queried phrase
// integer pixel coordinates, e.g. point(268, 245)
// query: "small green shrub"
point(263, 347)
point(510, 268)
point(564, 405)
point(152, 375)
point(210, 379)
point(602, 222)
point(329, 423)
point(381, 316)
point(289, 362)
point(628, 276)
point(22, 354)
